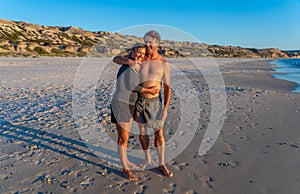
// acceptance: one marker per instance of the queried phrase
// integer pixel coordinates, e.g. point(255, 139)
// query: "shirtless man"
point(123, 103)
point(149, 112)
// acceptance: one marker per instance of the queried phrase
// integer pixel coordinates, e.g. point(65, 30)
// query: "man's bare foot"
point(129, 175)
point(165, 170)
point(145, 163)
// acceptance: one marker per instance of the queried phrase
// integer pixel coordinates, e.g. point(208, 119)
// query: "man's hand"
point(135, 65)
point(152, 90)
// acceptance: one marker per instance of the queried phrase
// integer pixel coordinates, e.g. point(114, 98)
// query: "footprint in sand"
point(64, 184)
point(48, 179)
point(141, 189)
point(86, 183)
point(180, 166)
point(171, 188)
point(207, 182)
point(232, 164)
point(294, 145)
point(65, 172)
point(193, 176)
point(190, 192)
point(227, 153)
point(245, 138)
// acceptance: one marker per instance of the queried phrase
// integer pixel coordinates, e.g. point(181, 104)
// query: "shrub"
point(56, 51)
point(40, 50)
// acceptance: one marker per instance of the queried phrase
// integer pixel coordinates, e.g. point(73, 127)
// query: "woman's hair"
point(137, 45)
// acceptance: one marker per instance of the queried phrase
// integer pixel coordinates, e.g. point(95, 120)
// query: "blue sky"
point(255, 23)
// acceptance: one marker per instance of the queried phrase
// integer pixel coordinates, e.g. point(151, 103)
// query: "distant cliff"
point(25, 39)
point(293, 53)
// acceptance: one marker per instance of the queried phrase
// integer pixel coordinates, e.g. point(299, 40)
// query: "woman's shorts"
point(121, 111)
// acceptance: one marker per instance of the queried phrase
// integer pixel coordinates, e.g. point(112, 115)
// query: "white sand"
point(42, 146)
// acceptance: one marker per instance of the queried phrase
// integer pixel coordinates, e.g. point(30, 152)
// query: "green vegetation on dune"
point(40, 50)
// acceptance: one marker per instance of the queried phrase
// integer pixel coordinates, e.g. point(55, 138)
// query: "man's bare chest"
point(152, 69)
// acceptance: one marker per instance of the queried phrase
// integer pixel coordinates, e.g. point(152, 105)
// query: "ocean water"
point(289, 70)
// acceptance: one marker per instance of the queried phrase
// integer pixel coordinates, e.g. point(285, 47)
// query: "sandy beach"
point(43, 147)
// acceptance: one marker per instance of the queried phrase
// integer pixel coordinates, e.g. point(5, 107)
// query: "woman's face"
point(139, 54)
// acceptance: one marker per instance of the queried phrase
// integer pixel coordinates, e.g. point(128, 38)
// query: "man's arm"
point(152, 90)
point(167, 90)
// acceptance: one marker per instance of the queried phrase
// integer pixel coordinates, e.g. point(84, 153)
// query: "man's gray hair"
point(153, 34)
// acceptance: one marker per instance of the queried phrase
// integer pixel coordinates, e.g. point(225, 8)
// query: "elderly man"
point(149, 111)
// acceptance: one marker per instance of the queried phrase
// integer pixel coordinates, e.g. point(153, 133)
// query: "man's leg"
point(144, 139)
point(123, 135)
point(159, 143)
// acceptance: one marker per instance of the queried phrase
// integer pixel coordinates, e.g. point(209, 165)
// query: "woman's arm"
point(131, 80)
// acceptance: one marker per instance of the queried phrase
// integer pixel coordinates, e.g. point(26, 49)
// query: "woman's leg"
point(123, 135)
point(123, 129)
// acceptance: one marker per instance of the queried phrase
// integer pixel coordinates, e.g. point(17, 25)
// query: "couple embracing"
point(140, 79)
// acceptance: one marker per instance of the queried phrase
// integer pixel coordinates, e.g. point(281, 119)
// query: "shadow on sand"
point(62, 143)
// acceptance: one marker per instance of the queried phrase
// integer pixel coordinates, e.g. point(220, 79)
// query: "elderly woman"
point(123, 103)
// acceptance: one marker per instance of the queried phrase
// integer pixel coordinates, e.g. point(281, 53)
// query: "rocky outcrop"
point(23, 38)
point(270, 53)
point(293, 53)
point(231, 51)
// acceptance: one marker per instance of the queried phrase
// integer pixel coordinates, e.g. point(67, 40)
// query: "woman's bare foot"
point(132, 165)
point(165, 170)
point(129, 175)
